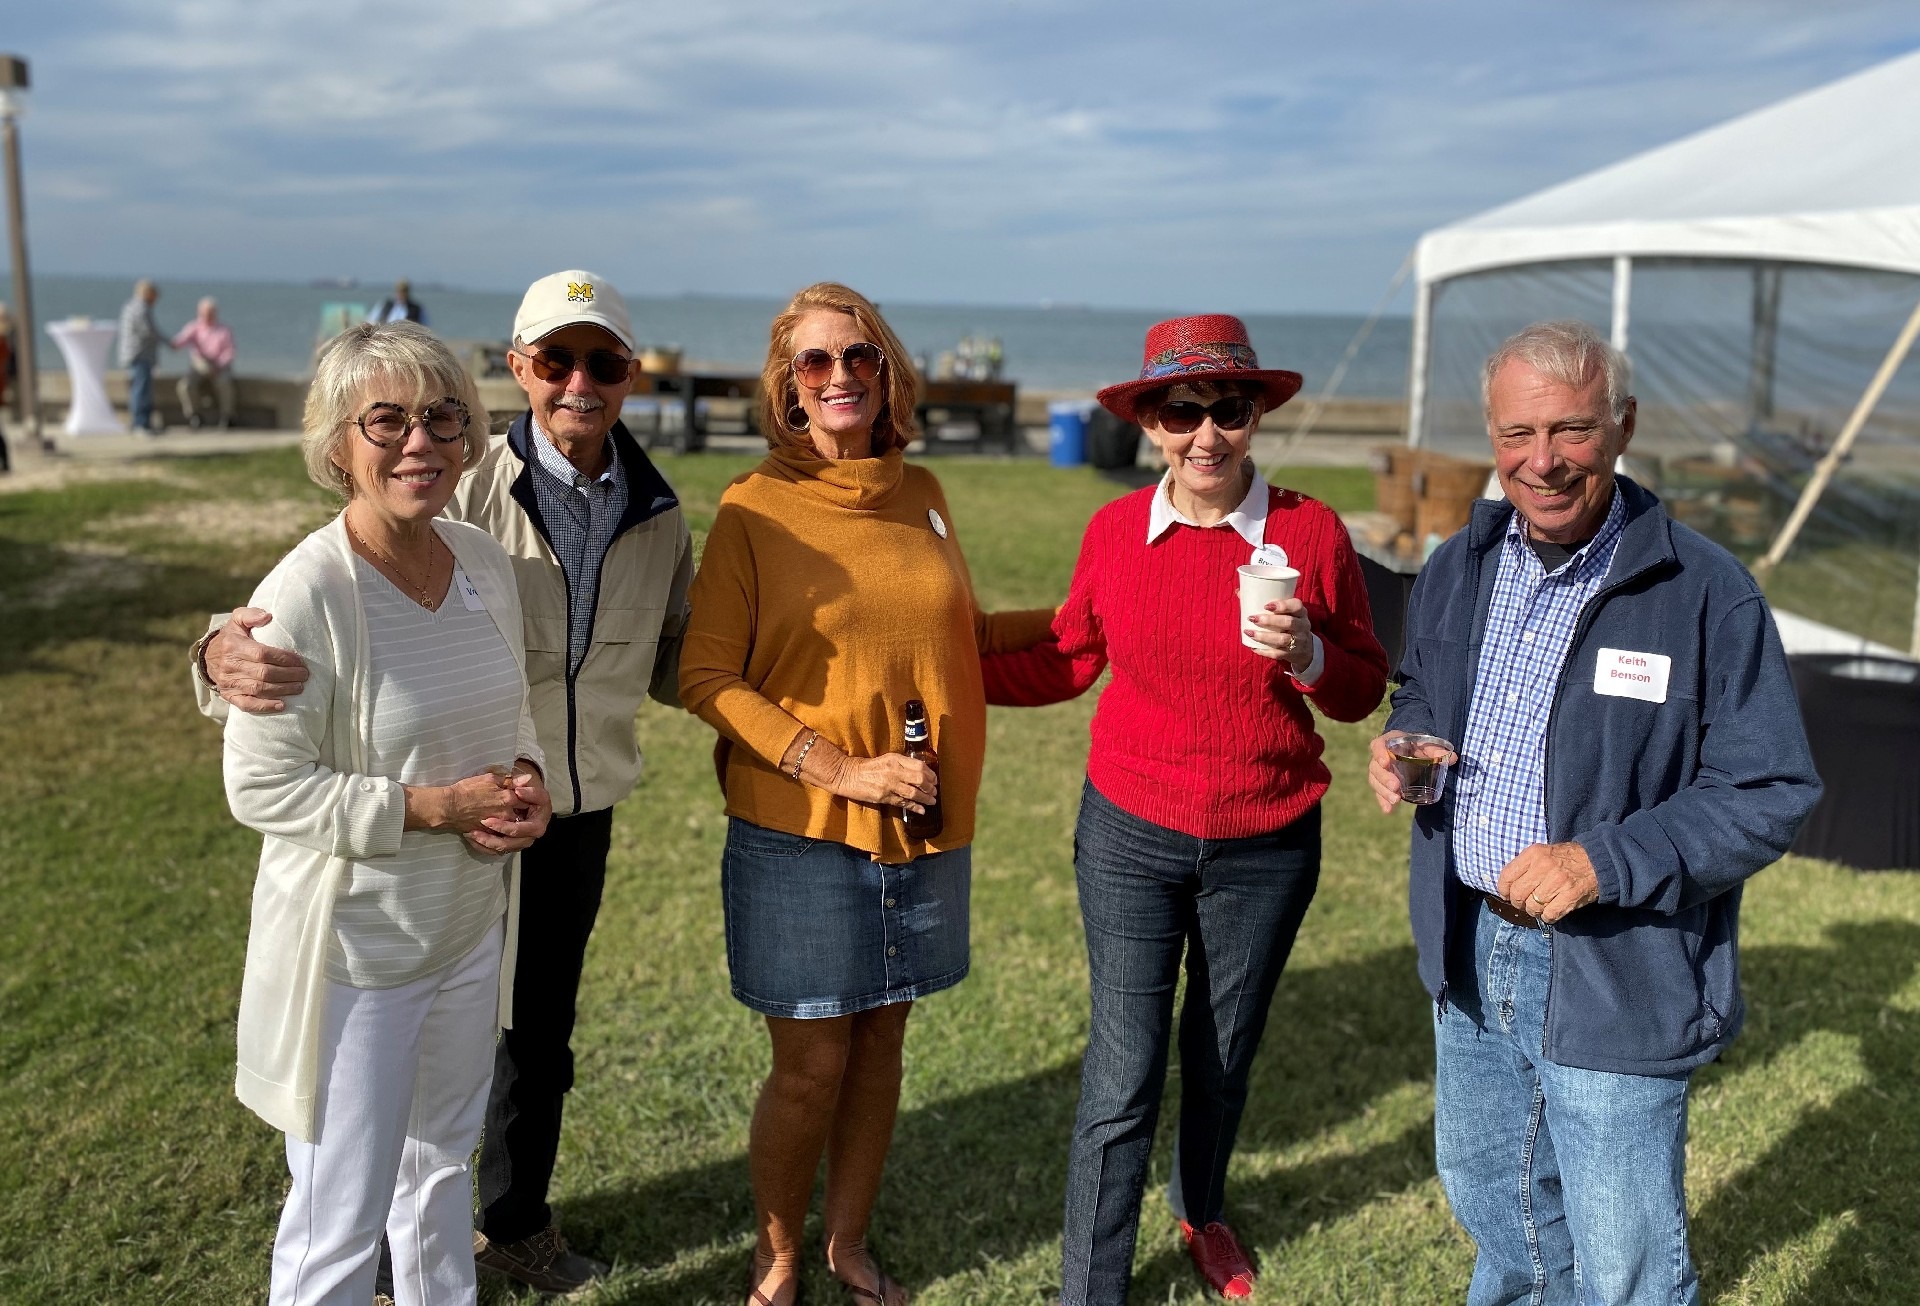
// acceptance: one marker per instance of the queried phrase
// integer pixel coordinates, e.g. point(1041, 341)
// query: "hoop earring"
point(797, 418)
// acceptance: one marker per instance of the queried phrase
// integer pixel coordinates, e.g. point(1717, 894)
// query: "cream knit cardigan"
point(299, 777)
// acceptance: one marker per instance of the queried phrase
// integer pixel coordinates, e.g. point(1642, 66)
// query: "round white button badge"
point(939, 527)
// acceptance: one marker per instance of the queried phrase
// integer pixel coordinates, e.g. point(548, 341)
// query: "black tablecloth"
point(1863, 722)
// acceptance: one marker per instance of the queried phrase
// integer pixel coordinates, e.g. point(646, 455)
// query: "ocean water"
point(1068, 349)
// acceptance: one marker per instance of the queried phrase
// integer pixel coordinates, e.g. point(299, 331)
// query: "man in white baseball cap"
point(565, 299)
point(603, 558)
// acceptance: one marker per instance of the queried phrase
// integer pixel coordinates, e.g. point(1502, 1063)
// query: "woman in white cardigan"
point(393, 794)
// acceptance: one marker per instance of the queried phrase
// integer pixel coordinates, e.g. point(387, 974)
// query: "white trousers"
point(403, 1082)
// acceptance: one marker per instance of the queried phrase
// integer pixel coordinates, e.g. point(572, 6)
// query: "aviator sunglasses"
point(557, 362)
point(1183, 416)
point(814, 367)
point(385, 425)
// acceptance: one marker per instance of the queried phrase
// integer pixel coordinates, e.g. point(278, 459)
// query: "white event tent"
point(1756, 273)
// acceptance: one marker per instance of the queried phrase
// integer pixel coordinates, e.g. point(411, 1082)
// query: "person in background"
point(209, 343)
point(1630, 752)
point(831, 593)
point(400, 307)
point(603, 558)
point(392, 795)
point(1199, 828)
point(140, 341)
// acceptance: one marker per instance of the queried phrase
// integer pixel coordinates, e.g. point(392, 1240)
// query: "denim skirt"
point(818, 929)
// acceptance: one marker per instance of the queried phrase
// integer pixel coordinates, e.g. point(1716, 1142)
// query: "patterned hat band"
point(1211, 357)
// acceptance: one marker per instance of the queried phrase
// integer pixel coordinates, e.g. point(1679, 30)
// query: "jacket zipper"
point(573, 743)
point(530, 505)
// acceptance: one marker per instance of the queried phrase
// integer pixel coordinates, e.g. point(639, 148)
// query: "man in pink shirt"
point(209, 343)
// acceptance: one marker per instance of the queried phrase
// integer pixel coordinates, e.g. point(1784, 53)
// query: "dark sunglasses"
point(1183, 416)
point(813, 368)
point(557, 362)
point(384, 425)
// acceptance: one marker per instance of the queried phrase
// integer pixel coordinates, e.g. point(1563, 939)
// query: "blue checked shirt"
point(1499, 800)
point(581, 515)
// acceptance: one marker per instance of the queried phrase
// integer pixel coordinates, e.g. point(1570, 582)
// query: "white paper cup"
point(1259, 586)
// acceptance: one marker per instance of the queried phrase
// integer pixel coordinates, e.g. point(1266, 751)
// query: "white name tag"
point(471, 596)
point(1622, 673)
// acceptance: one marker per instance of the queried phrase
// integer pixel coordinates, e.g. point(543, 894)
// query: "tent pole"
point(1766, 341)
point(1831, 463)
point(1622, 311)
point(1417, 378)
point(1622, 299)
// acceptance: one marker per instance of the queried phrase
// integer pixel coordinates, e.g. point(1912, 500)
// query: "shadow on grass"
point(54, 596)
point(981, 1177)
point(1855, 1161)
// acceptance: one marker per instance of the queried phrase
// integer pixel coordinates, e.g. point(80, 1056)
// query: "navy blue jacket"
point(1675, 803)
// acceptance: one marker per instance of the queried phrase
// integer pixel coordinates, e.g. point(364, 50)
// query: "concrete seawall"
point(269, 403)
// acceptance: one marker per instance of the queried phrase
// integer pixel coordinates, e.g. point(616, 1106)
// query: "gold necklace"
point(421, 592)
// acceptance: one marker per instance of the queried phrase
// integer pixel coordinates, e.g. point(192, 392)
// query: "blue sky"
point(1264, 157)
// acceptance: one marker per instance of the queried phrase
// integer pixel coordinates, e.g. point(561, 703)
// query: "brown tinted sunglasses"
point(557, 363)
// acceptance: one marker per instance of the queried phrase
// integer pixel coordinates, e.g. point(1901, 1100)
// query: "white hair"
point(407, 354)
point(1569, 352)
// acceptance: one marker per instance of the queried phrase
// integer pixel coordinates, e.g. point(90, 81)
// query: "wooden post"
point(1828, 465)
point(13, 85)
point(1913, 650)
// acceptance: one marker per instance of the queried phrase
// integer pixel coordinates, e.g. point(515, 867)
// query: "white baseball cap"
point(565, 298)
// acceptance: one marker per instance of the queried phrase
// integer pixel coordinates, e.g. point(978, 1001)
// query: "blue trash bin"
point(1067, 431)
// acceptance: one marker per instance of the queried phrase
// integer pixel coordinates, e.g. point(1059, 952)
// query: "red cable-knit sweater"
point(1197, 732)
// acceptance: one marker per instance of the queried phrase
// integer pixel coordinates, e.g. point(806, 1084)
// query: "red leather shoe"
point(1221, 1260)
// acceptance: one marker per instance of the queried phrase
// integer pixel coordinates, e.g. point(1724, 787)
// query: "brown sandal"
point(860, 1295)
point(879, 1298)
point(755, 1297)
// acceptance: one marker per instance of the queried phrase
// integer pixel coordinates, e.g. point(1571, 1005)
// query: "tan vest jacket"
point(585, 725)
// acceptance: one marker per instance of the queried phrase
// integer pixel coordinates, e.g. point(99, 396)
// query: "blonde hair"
point(896, 426)
point(403, 352)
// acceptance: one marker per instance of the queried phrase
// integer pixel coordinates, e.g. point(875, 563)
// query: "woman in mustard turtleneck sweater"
point(831, 592)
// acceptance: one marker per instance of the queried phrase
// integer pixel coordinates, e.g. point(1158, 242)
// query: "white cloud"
point(1266, 157)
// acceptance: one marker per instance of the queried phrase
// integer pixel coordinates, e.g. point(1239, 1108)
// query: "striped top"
point(445, 699)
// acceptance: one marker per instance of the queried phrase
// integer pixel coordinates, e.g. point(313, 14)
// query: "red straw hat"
point(1210, 347)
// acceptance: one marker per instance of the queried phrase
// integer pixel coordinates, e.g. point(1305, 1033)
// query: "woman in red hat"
point(1199, 828)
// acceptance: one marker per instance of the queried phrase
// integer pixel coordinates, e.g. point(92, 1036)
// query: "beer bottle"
point(927, 824)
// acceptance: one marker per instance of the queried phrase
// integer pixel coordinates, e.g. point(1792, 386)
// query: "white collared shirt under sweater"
point(445, 704)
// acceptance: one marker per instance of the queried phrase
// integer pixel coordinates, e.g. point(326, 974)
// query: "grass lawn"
point(128, 1173)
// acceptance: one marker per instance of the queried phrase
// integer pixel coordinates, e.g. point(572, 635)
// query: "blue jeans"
point(1147, 895)
point(140, 394)
point(1570, 1182)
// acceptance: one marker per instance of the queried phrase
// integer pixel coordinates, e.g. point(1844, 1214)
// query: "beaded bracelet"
point(801, 758)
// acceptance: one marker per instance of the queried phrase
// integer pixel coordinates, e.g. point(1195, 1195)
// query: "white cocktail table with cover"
point(86, 343)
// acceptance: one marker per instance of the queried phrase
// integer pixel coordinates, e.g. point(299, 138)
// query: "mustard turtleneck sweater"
point(830, 593)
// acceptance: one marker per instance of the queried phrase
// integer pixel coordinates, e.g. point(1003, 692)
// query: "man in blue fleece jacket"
point(1629, 752)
